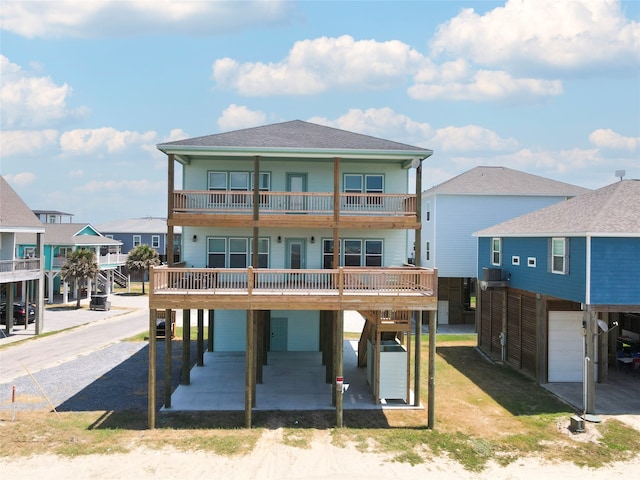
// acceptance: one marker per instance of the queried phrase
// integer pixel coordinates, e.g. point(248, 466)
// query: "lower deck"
point(291, 381)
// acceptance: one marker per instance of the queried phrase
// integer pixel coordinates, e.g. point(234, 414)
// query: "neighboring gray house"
point(21, 276)
point(476, 199)
point(150, 231)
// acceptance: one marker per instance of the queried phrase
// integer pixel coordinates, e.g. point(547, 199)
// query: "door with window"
point(296, 251)
point(296, 183)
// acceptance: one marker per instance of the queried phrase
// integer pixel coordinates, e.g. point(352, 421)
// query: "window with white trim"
point(496, 251)
point(155, 241)
point(137, 240)
point(559, 255)
point(354, 255)
point(235, 252)
point(427, 252)
point(358, 183)
point(515, 260)
point(236, 182)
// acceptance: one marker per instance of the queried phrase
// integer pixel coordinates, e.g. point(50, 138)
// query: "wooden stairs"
point(390, 324)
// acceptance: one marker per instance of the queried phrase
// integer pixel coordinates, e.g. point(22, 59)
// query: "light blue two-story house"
point(285, 227)
point(471, 201)
point(554, 281)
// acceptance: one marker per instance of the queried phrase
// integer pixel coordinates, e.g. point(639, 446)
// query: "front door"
point(296, 183)
point(278, 338)
point(295, 253)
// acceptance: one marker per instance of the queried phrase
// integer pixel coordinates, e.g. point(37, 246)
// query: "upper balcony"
point(109, 260)
point(19, 270)
point(344, 288)
point(295, 209)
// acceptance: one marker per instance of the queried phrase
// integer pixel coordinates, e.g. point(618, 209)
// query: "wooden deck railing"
point(375, 204)
point(343, 280)
point(7, 266)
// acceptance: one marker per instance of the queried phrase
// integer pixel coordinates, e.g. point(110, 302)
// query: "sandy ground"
point(273, 460)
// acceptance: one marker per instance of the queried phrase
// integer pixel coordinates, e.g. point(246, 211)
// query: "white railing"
point(25, 264)
point(108, 259)
point(380, 204)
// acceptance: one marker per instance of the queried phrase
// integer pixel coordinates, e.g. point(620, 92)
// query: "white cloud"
point(100, 18)
point(106, 139)
point(313, 66)
point(607, 138)
point(470, 138)
point(235, 117)
point(30, 101)
point(76, 173)
point(383, 123)
point(110, 186)
point(483, 85)
point(560, 35)
point(27, 142)
point(20, 179)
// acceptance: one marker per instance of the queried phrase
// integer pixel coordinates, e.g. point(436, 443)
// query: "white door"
point(443, 312)
point(566, 347)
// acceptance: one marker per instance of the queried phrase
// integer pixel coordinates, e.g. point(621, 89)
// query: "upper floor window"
point(155, 241)
point(109, 235)
point(64, 251)
point(427, 252)
point(137, 240)
point(496, 251)
point(52, 219)
point(559, 255)
point(358, 183)
point(427, 213)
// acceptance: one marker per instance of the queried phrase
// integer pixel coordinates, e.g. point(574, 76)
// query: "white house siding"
point(454, 218)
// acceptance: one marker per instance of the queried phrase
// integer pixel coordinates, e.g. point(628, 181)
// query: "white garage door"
point(566, 347)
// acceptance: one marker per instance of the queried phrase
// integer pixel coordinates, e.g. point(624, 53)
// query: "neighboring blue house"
point(150, 231)
point(552, 278)
point(59, 240)
point(476, 199)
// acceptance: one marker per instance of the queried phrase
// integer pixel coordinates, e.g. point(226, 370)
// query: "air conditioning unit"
point(491, 274)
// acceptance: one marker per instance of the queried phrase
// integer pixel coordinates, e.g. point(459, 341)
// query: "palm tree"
point(140, 259)
point(79, 265)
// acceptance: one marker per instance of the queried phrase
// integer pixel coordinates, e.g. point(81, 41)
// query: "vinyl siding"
point(454, 218)
point(615, 271)
point(571, 286)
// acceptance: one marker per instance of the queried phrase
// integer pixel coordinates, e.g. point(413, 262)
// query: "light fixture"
point(279, 239)
point(313, 239)
point(195, 238)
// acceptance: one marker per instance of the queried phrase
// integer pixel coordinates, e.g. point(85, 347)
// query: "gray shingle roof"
point(613, 210)
point(295, 134)
point(136, 225)
point(67, 234)
point(14, 213)
point(504, 181)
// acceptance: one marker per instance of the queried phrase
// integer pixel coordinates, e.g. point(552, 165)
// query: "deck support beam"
point(186, 347)
point(168, 330)
point(200, 341)
point(338, 364)
point(151, 404)
point(249, 370)
point(432, 370)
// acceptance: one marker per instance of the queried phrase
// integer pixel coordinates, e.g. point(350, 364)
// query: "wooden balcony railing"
point(375, 204)
point(25, 264)
point(343, 281)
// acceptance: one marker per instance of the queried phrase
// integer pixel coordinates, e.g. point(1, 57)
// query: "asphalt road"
point(95, 331)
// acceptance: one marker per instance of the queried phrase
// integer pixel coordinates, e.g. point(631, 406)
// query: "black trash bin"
point(99, 302)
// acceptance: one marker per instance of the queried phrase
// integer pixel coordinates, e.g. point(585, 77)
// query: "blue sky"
point(88, 88)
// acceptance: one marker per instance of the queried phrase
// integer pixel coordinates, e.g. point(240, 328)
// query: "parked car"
point(19, 312)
